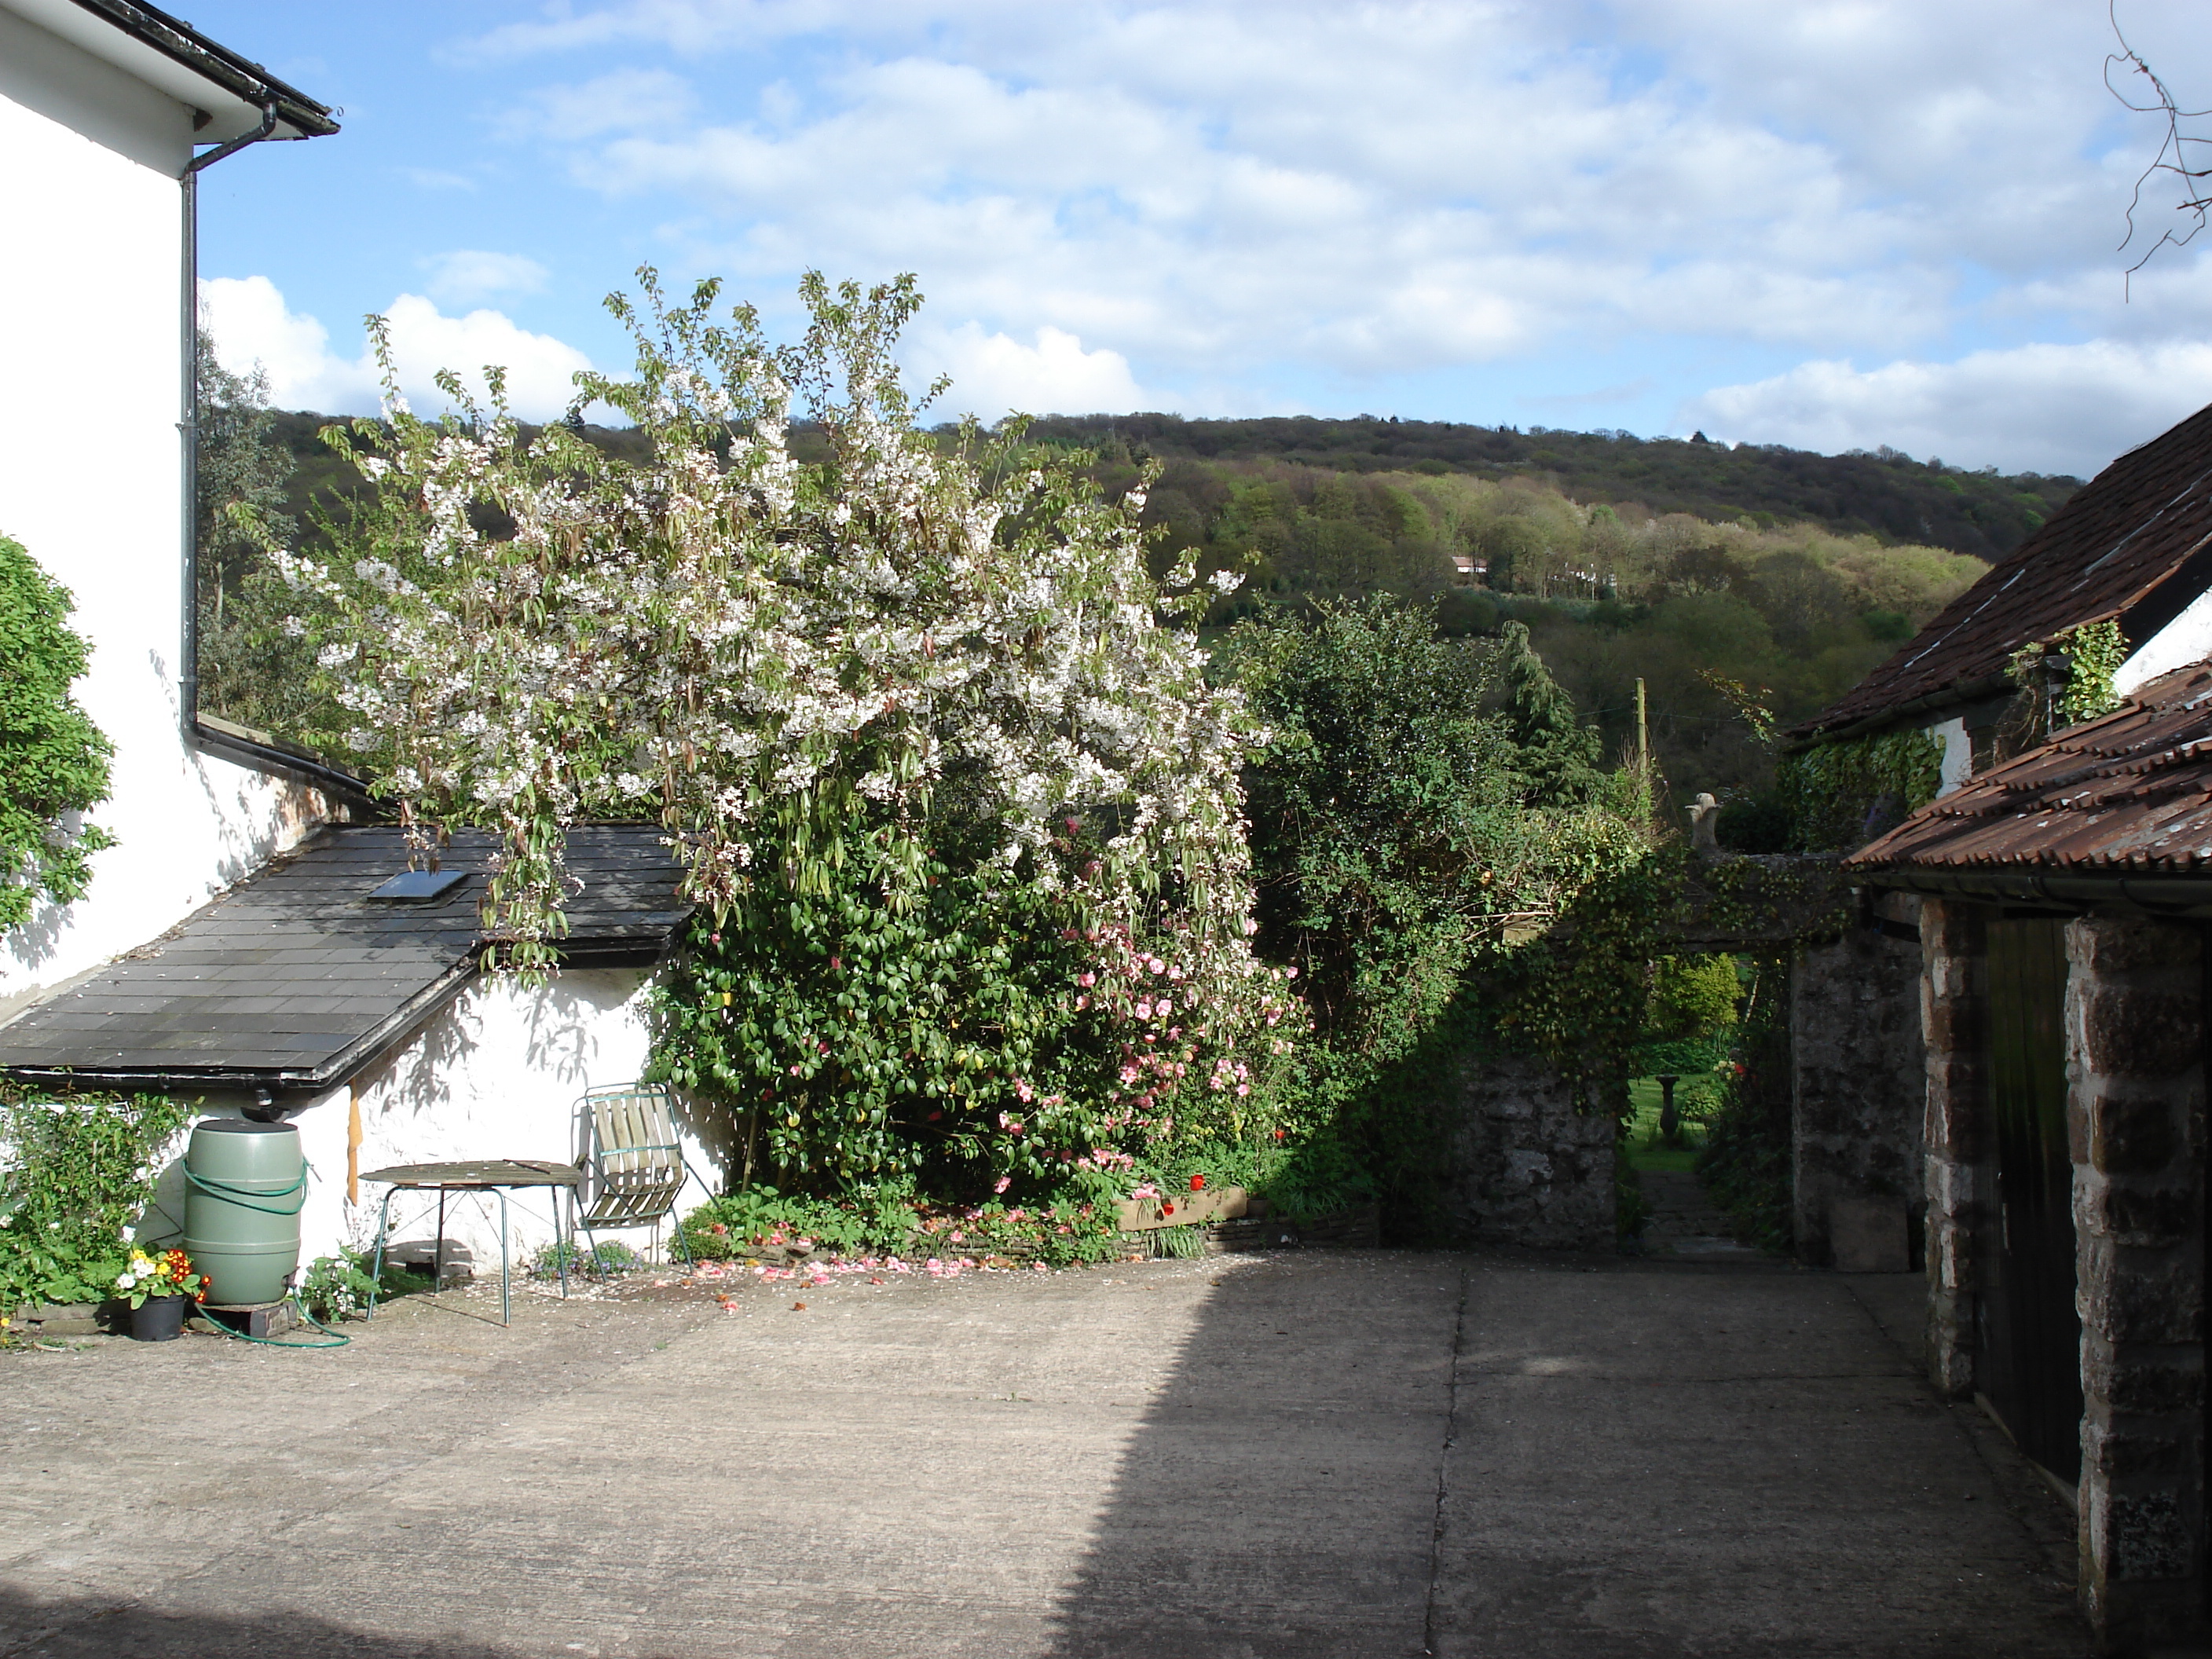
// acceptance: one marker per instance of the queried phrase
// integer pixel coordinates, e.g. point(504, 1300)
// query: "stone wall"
point(1858, 1088)
point(1527, 1168)
point(2135, 1025)
point(1955, 1173)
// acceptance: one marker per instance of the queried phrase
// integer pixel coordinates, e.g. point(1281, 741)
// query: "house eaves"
point(2133, 545)
point(2114, 811)
point(231, 92)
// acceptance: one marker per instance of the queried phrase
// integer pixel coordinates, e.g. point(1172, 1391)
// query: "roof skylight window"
point(418, 887)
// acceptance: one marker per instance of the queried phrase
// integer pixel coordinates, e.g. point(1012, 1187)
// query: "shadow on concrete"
point(96, 1629)
point(1390, 1454)
point(1279, 1495)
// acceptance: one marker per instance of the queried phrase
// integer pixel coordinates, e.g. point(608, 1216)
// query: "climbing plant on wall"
point(2094, 654)
point(54, 759)
point(1842, 795)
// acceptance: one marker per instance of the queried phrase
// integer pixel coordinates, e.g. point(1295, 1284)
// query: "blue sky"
point(1828, 224)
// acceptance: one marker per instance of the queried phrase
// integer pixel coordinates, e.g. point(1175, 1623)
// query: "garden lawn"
point(1644, 1148)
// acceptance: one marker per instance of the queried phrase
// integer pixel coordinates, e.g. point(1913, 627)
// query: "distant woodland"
point(1711, 573)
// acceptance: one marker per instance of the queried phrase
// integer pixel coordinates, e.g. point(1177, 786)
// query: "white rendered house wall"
point(91, 471)
point(496, 1074)
point(2187, 639)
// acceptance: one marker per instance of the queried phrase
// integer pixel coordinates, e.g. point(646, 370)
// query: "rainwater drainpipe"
point(188, 666)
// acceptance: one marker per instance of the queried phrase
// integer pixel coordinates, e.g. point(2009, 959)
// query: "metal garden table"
point(493, 1175)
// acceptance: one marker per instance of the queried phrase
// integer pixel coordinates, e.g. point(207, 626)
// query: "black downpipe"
point(188, 663)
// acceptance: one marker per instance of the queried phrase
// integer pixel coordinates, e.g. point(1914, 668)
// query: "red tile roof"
point(2129, 794)
point(2125, 533)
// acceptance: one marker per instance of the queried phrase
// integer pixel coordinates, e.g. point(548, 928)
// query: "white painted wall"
point(1958, 764)
point(91, 359)
point(497, 1074)
point(2186, 640)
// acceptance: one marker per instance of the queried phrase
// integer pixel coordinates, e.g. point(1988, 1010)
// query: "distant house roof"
point(2131, 545)
point(165, 51)
point(295, 980)
point(2117, 809)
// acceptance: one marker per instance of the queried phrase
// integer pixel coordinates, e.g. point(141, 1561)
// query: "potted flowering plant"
point(157, 1288)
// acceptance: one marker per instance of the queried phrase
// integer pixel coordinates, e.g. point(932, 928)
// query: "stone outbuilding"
point(2064, 896)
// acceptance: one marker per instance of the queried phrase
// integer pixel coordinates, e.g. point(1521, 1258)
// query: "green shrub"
point(1746, 1159)
point(565, 1256)
point(339, 1286)
point(54, 759)
point(79, 1174)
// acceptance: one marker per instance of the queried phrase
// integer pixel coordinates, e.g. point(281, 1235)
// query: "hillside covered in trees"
point(1882, 494)
point(1719, 576)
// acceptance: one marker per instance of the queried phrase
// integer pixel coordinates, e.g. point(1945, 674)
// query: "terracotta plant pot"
point(159, 1319)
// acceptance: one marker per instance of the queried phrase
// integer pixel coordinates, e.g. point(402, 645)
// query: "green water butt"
point(244, 1184)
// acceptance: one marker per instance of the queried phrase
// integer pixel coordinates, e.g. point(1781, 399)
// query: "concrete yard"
point(1343, 1453)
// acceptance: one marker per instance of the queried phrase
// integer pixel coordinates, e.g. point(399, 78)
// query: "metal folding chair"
point(637, 1167)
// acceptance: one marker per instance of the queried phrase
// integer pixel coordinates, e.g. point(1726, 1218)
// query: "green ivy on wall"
point(2094, 651)
point(1842, 795)
point(54, 759)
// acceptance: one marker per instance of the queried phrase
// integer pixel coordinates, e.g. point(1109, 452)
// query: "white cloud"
point(994, 375)
point(251, 323)
point(2041, 408)
point(622, 100)
point(469, 274)
point(1214, 187)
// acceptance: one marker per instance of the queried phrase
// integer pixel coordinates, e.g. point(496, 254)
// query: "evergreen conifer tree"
point(1559, 754)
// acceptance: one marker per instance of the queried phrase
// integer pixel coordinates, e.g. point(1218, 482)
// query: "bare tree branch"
point(2175, 152)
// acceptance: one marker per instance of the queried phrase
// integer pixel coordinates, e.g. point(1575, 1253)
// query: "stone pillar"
point(1955, 1139)
point(1858, 1085)
point(1527, 1168)
point(2135, 1032)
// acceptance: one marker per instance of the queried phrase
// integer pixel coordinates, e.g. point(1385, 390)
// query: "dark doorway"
point(2027, 1359)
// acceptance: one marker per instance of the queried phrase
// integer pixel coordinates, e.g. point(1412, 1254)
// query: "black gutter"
point(293, 1089)
point(181, 43)
point(362, 1052)
point(265, 753)
point(2183, 895)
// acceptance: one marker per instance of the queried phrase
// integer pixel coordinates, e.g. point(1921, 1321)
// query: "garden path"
point(1353, 1454)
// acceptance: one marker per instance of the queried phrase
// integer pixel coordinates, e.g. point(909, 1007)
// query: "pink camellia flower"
point(1144, 1011)
point(1164, 1007)
point(1087, 981)
point(836, 964)
point(1157, 965)
point(1289, 973)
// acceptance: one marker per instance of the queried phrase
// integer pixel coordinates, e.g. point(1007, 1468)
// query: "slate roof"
point(2125, 799)
point(295, 980)
point(2132, 543)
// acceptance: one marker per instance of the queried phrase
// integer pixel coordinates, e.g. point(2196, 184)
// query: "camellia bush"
point(956, 802)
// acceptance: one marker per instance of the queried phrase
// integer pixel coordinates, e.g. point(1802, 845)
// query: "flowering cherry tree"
point(838, 683)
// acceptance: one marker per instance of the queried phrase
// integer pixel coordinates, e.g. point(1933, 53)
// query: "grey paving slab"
point(1355, 1454)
